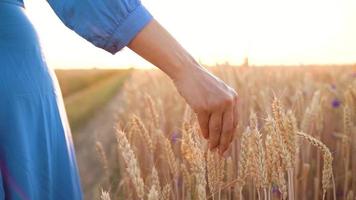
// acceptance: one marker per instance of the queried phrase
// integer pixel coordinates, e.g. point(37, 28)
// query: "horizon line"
point(212, 65)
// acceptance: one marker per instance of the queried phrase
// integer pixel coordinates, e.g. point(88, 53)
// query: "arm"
point(107, 24)
point(113, 24)
point(214, 102)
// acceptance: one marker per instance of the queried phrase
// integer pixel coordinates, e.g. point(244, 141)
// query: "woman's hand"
point(214, 102)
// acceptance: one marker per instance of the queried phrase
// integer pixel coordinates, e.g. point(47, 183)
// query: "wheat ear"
point(327, 168)
point(144, 133)
point(153, 194)
point(104, 195)
point(103, 159)
point(169, 155)
point(132, 165)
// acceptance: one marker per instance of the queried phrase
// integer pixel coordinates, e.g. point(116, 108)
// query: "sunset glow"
point(267, 31)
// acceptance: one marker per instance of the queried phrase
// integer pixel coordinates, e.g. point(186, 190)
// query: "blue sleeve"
point(108, 24)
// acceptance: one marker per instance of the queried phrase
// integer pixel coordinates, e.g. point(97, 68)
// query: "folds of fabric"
point(108, 24)
point(37, 158)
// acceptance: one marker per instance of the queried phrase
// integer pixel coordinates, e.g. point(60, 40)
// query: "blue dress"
point(37, 159)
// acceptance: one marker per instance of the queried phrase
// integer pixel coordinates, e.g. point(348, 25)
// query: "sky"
point(269, 32)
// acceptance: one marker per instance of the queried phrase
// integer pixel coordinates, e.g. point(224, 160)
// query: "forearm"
point(214, 102)
point(158, 47)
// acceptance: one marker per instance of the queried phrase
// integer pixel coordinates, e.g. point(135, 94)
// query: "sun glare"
point(266, 31)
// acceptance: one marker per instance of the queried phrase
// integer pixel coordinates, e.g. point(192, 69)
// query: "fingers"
point(203, 119)
point(235, 113)
point(227, 129)
point(215, 126)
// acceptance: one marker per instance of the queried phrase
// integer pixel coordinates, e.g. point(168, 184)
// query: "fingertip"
point(235, 117)
point(233, 135)
point(203, 120)
point(212, 147)
point(226, 154)
point(205, 134)
point(222, 150)
point(215, 130)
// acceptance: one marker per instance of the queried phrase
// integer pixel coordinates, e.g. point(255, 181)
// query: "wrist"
point(183, 69)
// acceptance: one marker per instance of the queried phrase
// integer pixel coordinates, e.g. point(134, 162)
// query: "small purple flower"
point(333, 86)
point(336, 103)
point(275, 190)
point(353, 74)
point(179, 182)
point(175, 137)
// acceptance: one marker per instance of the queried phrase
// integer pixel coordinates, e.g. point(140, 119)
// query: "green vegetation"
point(72, 81)
point(84, 95)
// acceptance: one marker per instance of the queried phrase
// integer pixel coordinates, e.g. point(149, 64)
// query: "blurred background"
point(268, 32)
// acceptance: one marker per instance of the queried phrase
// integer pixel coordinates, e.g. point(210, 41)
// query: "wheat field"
point(296, 139)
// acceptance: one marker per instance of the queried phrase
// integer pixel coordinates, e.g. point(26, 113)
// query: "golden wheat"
point(284, 113)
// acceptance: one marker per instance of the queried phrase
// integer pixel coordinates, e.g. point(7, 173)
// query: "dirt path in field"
point(99, 128)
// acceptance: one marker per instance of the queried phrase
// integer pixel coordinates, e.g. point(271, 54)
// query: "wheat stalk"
point(132, 165)
point(153, 111)
point(166, 192)
point(103, 159)
point(144, 133)
point(215, 169)
point(169, 155)
point(327, 168)
point(195, 157)
point(244, 158)
point(153, 194)
point(187, 180)
point(155, 179)
point(104, 195)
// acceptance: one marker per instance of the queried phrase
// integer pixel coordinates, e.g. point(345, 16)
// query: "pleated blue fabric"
point(37, 159)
